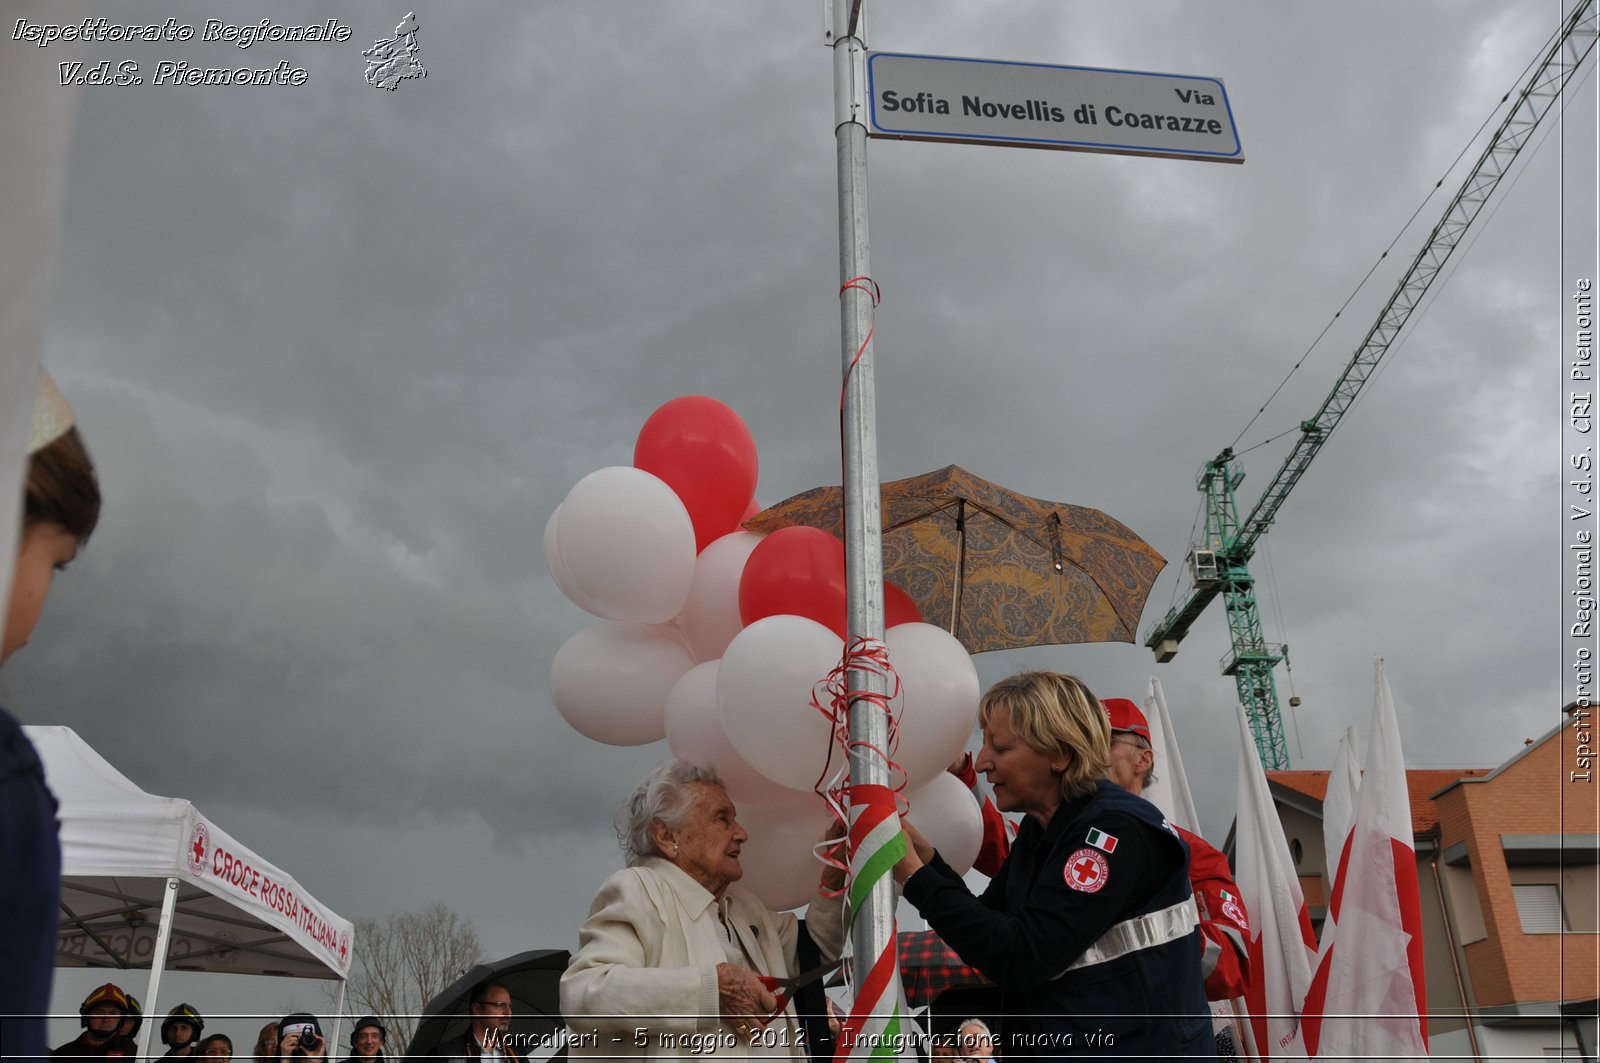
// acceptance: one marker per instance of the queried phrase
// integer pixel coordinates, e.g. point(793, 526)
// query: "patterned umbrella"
point(997, 569)
point(928, 967)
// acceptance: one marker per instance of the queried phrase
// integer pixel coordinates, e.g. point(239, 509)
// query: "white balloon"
point(764, 696)
point(694, 733)
point(779, 866)
point(711, 615)
point(947, 815)
point(558, 568)
point(611, 681)
point(938, 706)
point(627, 544)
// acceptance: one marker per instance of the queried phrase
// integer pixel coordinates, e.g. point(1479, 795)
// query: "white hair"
point(1149, 779)
point(664, 795)
point(979, 1023)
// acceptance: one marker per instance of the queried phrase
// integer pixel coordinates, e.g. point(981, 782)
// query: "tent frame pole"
point(158, 963)
point(338, 1015)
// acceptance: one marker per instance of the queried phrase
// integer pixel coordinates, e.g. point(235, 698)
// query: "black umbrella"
point(534, 981)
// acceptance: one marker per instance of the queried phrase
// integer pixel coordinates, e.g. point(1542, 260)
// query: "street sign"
point(1035, 105)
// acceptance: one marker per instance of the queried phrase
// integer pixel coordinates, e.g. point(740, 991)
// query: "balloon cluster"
point(714, 638)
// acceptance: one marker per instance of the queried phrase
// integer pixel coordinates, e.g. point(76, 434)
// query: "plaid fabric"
point(928, 967)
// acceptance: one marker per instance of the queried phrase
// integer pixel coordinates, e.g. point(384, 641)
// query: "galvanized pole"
point(873, 922)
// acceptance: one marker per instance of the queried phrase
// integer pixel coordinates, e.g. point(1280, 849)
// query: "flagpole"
point(873, 916)
point(1247, 1036)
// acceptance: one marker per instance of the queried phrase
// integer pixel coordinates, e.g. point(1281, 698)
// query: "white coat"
point(643, 984)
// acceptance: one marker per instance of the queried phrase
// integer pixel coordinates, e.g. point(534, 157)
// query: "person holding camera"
point(300, 1037)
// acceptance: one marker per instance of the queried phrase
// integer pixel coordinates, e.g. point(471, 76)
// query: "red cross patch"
point(1231, 909)
point(1087, 870)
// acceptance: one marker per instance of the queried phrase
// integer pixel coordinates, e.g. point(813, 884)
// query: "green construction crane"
point(1219, 562)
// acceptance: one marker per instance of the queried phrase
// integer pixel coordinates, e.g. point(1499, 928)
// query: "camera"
point(310, 1042)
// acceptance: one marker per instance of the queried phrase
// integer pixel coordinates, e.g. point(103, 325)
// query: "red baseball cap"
point(1125, 716)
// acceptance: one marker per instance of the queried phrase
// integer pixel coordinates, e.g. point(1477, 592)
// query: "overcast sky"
point(339, 352)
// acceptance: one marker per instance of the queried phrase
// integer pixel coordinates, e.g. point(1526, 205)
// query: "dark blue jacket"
point(1104, 859)
point(30, 892)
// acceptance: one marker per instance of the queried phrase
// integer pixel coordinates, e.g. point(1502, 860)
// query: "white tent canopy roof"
point(120, 846)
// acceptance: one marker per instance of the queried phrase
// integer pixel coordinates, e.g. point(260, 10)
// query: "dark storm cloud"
point(340, 352)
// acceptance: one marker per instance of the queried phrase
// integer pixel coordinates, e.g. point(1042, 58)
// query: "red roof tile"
point(1421, 784)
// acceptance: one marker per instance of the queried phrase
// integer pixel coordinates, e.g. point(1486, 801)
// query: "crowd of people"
point(111, 1019)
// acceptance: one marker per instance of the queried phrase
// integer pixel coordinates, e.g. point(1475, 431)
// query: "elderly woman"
point(1089, 927)
point(670, 960)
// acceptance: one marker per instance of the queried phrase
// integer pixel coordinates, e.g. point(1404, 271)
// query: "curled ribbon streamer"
point(833, 794)
point(874, 293)
point(864, 655)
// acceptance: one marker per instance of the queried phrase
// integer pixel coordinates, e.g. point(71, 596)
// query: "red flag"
point(1282, 945)
point(1367, 998)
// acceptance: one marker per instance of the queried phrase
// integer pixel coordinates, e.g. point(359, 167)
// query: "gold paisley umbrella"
point(995, 568)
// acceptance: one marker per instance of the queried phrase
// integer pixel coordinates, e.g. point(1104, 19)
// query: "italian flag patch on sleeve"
point(1106, 843)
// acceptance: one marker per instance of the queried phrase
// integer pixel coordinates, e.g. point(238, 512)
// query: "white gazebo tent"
point(148, 881)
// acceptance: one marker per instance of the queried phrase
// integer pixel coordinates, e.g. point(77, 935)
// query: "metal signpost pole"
point(873, 924)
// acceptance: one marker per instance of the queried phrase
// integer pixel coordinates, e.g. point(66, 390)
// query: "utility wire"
point(1374, 268)
point(1524, 161)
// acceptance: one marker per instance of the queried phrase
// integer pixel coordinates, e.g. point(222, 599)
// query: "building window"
point(1540, 908)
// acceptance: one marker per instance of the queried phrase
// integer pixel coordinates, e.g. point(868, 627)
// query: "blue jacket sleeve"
point(1022, 945)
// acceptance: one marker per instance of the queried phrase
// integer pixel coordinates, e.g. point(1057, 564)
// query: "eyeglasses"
point(1130, 740)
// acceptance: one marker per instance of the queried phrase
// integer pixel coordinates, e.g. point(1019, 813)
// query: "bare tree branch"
point(404, 960)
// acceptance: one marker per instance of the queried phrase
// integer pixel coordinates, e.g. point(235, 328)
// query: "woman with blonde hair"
point(1089, 928)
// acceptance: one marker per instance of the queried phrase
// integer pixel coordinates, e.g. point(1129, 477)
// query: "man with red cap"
point(1224, 924)
point(1223, 921)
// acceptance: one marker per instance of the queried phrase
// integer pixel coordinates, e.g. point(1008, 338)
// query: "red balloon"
point(795, 570)
point(800, 570)
point(706, 454)
point(898, 607)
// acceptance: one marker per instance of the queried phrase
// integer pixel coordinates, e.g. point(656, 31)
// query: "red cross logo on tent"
point(344, 948)
point(199, 841)
point(1086, 870)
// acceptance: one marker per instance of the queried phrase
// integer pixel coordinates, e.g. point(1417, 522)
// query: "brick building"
point(1507, 870)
